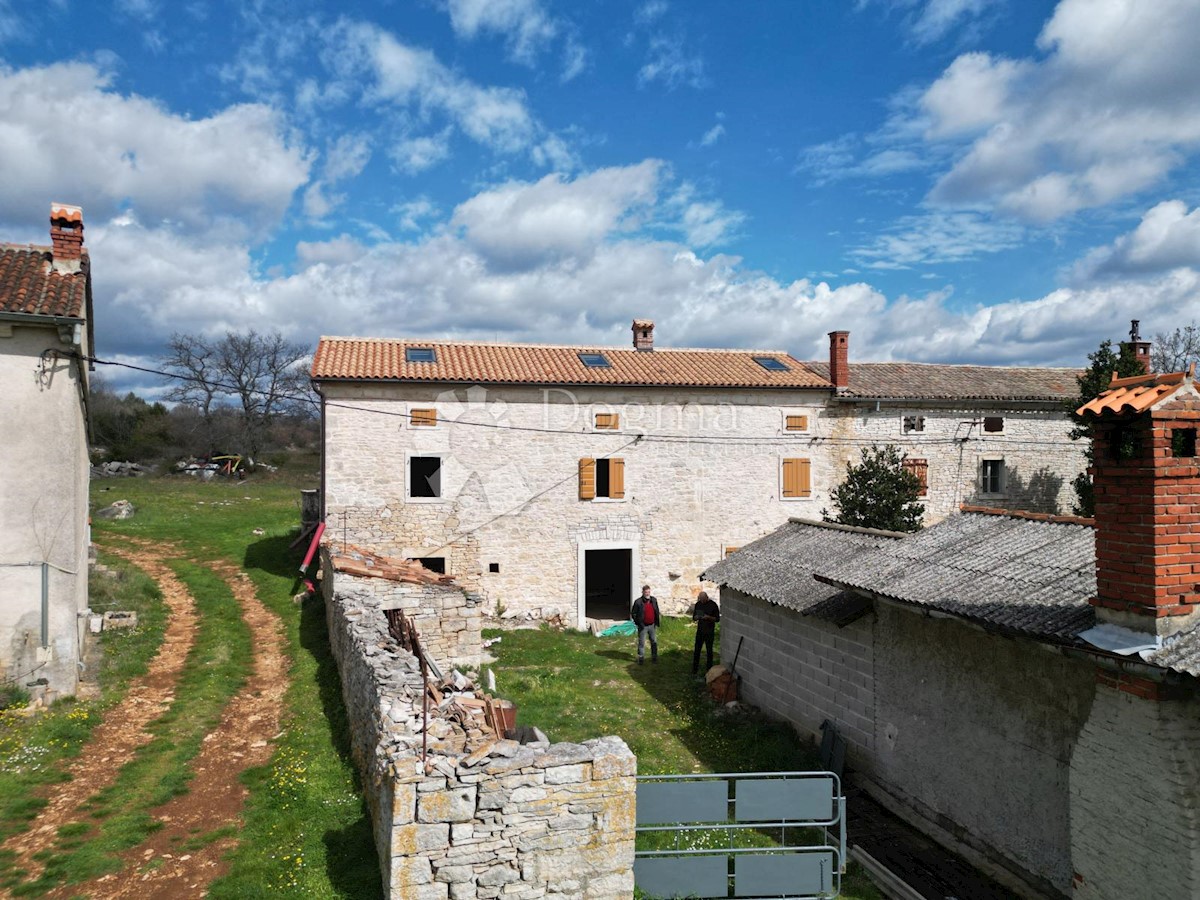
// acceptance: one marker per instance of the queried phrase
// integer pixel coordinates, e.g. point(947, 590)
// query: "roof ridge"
point(1024, 514)
point(855, 529)
point(441, 342)
point(938, 365)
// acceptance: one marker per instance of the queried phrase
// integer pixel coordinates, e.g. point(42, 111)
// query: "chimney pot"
point(643, 334)
point(66, 236)
point(839, 359)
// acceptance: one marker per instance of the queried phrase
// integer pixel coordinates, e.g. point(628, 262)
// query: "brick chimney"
point(839, 358)
point(643, 334)
point(1146, 475)
point(1141, 349)
point(66, 236)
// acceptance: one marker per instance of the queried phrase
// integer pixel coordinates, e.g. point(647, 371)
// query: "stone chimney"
point(839, 358)
point(66, 235)
point(643, 334)
point(1146, 476)
point(1141, 349)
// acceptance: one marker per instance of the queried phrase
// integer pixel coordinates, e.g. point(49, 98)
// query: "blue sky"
point(950, 180)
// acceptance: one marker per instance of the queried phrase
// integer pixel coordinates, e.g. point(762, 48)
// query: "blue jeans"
point(652, 631)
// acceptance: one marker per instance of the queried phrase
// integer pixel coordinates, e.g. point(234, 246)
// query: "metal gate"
point(765, 834)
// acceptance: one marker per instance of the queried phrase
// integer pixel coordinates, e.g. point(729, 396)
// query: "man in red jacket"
point(646, 617)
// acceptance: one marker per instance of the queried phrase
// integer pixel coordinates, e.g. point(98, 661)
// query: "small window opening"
point(493, 567)
point(993, 424)
point(913, 424)
point(594, 360)
point(420, 354)
point(1125, 443)
point(992, 476)
point(1183, 442)
point(434, 564)
point(425, 476)
point(771, 364)
point(603, 479)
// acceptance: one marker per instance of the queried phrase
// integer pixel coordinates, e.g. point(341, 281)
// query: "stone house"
point(1023, 687)
point(557, 480)
point(45, 339)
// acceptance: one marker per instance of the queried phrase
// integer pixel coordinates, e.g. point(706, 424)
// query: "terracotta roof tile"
point(367, 359)
point(1135, 394)
point(29, 285)
point(939, 381)
point(362, 563)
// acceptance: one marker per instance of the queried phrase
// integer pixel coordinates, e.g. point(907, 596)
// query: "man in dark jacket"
point(646, 617)
point(706, 614)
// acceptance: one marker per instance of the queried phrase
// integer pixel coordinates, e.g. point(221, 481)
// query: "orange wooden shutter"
point(423, 418)
point(920, 468)
point(608, 420)
point(797, 478)
point(729, 550)
point(616, 479)
point(797, 423)
point(587, 479)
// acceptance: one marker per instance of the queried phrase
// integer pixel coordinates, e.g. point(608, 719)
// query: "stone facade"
point(702, 472)
point(526, 822)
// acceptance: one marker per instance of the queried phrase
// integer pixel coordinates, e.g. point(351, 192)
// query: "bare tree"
point(1173, 352)
point(259, 374)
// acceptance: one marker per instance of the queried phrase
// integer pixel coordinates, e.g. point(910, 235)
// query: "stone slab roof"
point(936, 381)
point(779, 568)
point(29, 284)
point(1030, 575)
point(374, 359)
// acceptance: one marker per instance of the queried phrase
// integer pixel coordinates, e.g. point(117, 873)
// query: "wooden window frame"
point(1002, 488)
point(797, 414)
point(408, 497)
point(920, 417)
point(920, 468)
point(589, 481)
point(611, 420)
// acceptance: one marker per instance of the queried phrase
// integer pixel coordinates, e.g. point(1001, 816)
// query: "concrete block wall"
point(1135, 798)
point(552, 821)
point(804, 670)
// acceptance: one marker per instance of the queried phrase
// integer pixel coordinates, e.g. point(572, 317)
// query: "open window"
point(424, 477)
point(601, 479)
point(912, 424)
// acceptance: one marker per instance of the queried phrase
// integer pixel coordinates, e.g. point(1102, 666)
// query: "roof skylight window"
point(420, 354)
point(771, 364)
point(594, 360)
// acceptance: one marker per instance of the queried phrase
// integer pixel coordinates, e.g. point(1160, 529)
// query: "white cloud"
point(526, 26)
point(938, 236)
point(345, 158)
point(1108, 112)
point(712, 135)
point(668, 60)
point(236, 170)
point(521, 224)
point(575, 60)
point(414, 155)
point(939, 17)
point(413, 212)
point(1167, 238)
point(341, 250)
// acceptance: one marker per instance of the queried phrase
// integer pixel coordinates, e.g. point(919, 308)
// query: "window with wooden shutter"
point(587, 479)
point(795, 423)
point(920, 468)
point(423, 418)
point(993, 424)
point(797, 478)
point(616, 479)
point(729, 550)
point(608, 421)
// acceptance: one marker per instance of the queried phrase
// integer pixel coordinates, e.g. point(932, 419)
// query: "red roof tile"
point(1135, 394)
point(367, 359)
point(28, 283)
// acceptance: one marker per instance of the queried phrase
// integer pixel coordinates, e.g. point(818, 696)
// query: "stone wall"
point(483, 819)
point(449, 619)
point(707, 476)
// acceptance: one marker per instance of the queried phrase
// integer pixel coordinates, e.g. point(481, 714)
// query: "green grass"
point(36, 750)
point(119, 816)
point(305, 831)
point(574, 686)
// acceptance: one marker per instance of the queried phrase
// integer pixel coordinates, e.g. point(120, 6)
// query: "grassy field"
point(305, 829)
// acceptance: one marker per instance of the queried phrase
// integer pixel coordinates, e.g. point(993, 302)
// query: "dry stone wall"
point(484, 819)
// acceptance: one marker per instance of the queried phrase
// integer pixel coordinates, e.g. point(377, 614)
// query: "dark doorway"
point(606, 589)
